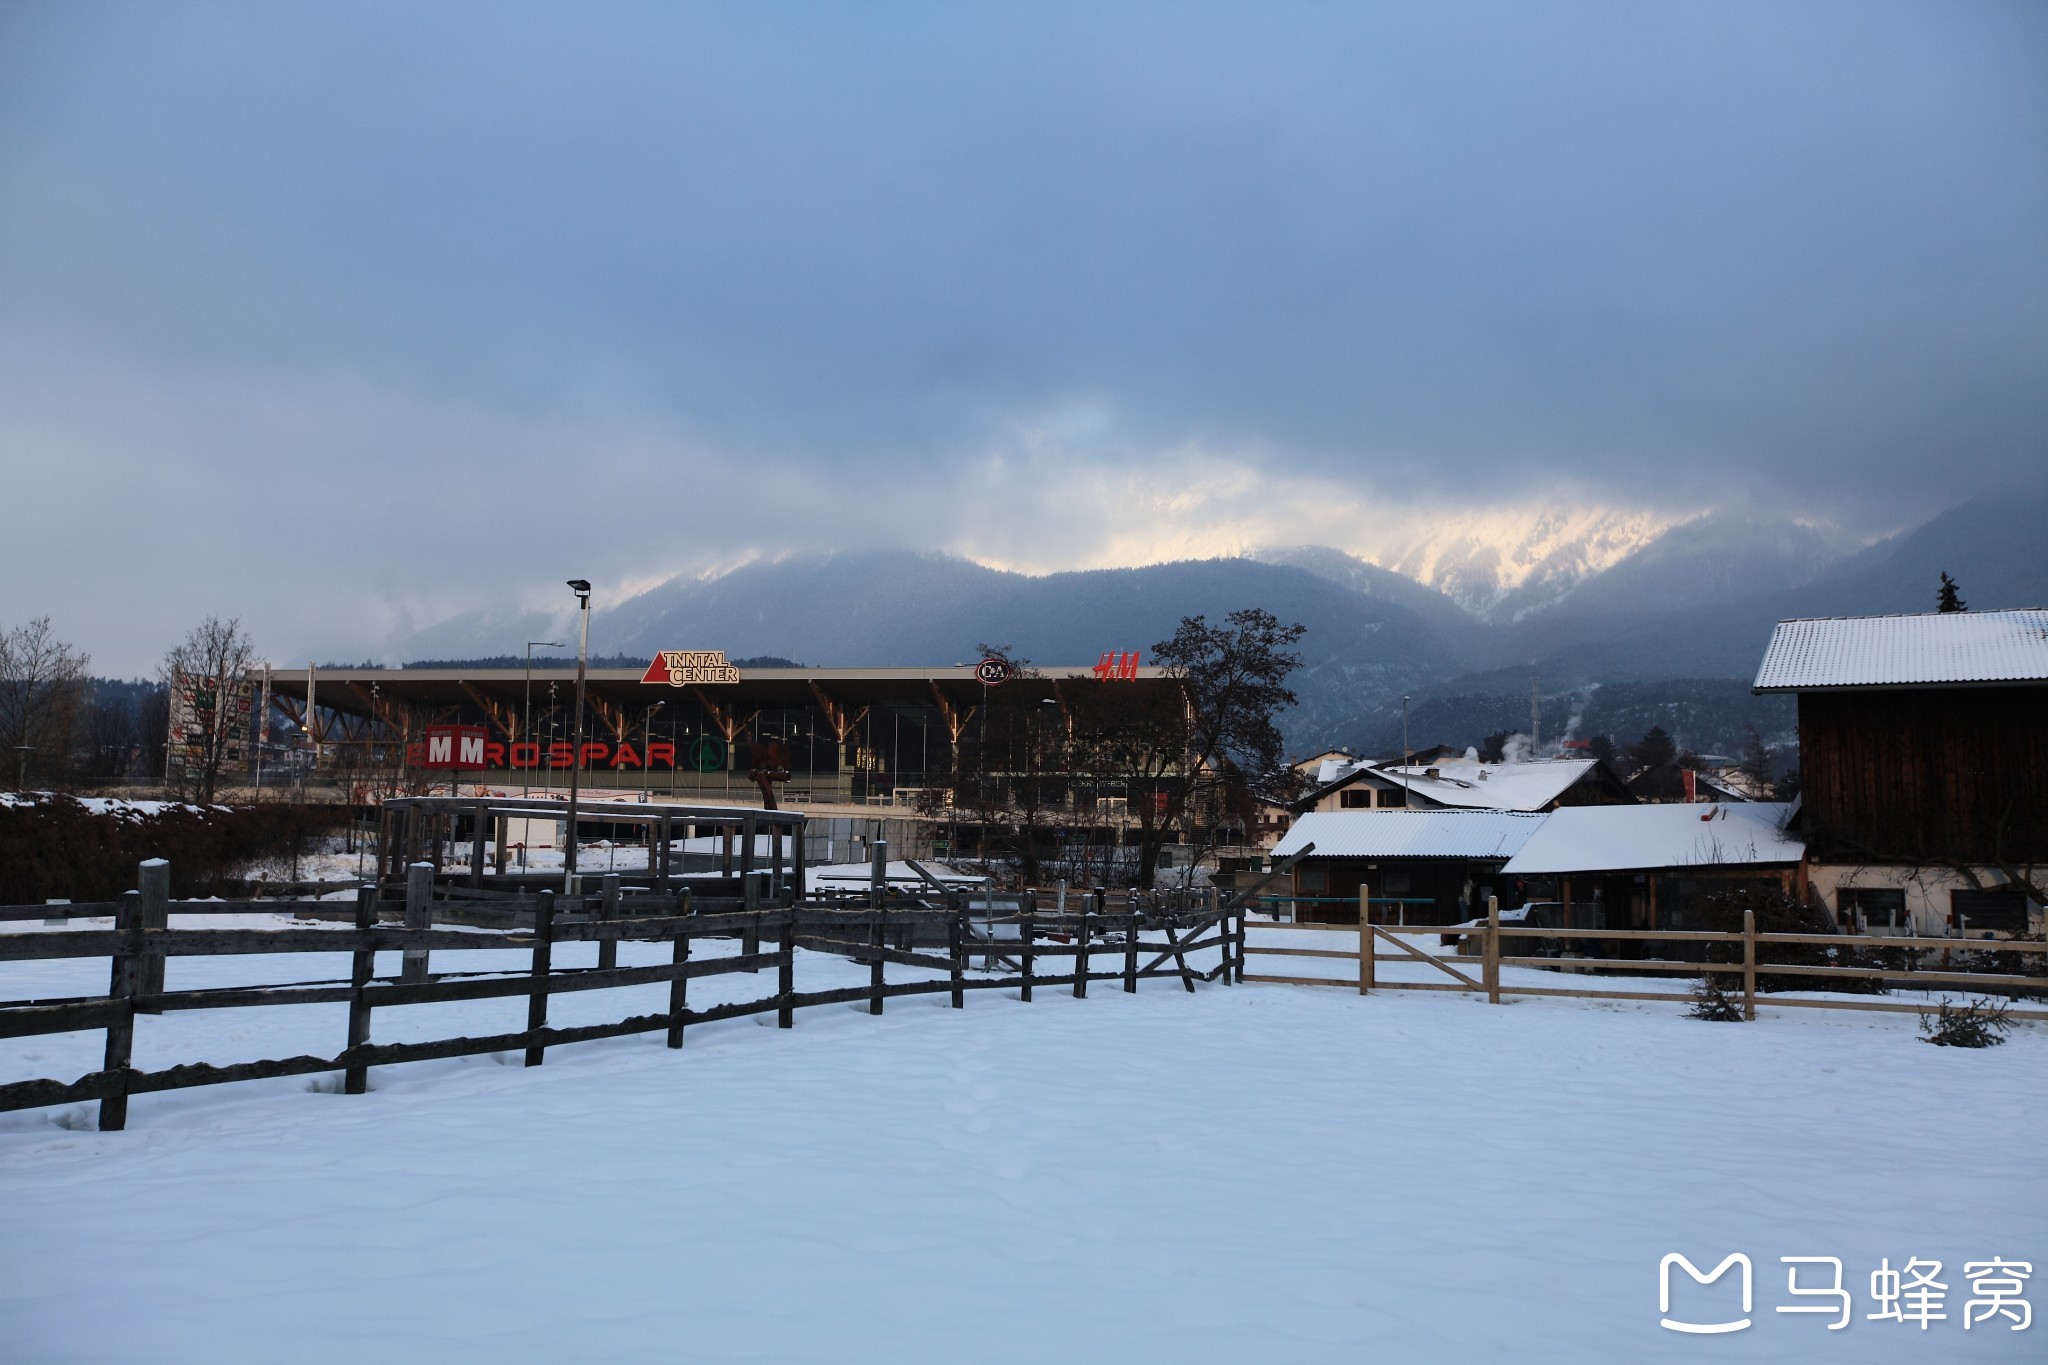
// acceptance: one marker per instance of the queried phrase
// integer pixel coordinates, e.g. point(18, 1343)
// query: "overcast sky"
point(345, 317)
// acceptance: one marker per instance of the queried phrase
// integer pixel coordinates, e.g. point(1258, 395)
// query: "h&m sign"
point(682, 667)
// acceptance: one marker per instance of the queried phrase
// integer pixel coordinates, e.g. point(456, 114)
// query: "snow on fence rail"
point(1739, 946)
point(886, 931)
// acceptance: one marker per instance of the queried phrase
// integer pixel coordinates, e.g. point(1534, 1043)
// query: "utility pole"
point(1404, 732)
point(1535, 720)
point(581, 587)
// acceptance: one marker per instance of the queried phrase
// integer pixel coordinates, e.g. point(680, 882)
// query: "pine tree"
point(1950, 599)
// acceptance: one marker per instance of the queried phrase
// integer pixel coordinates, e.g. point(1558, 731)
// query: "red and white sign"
point(454, 746)
point(1117, 667)
point(993, 671)
point(682, 667)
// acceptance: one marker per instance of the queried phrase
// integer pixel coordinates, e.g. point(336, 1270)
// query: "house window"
point(1396, 884)
point(1394, 797)
point(1880, 907)
point(1359, 798)
point(1310, 881)
point(2003, 908)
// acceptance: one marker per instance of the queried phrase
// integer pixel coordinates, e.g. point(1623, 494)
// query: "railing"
point(1740, 948)
point(1145, 940)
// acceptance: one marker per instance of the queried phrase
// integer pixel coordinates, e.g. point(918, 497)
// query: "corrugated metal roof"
point(1902, 651)
point(1639, 838)
point(1410, 833)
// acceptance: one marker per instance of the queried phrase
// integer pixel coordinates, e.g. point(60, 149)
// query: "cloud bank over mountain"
point(348, 319)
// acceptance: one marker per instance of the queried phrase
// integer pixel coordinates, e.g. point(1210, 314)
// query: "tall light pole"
point(21, 780)
point(581, 587)
point(526, 718)
point(1404, 732)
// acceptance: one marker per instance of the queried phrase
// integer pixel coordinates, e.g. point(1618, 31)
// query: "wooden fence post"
point(750, 936)
point(1131, 952)
point(1366, 947)
point(679, 989)
point(1081, 950)
point(878, 938)
point(957, 949)
point(419, 914)
point(153, 879)
point(356, 1078)
point(1749, 964)
point(785, 974)
point(608, 911)
point(127, 973)
point(543, 961)
point(1491, 971)
point(1024, 940)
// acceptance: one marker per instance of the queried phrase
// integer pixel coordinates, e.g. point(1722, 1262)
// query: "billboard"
point(203, 712)
point(458, 747)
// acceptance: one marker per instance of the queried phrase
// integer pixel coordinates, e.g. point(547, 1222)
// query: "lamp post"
point(581, 587)
point(21, 779)
point(526, 717)
point(1404, 733)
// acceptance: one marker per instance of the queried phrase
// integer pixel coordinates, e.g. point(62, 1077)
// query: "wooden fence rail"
point(1740, 947)
point(1149, 938)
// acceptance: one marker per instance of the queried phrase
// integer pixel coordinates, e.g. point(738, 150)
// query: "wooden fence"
point(1095, 938)
point(1739, 948)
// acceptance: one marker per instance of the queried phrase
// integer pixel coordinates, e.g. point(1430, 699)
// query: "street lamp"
point(21, 781)
point(581, 587)
point(526, 720)
point(1404, 733)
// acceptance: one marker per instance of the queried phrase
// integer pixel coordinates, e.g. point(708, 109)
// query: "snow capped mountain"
point(1534, 555)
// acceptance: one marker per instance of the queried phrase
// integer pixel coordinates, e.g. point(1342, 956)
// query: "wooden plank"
point(1081, 960)
point(153, 883)
point(356, 1079)
point(25, 1021)
point(126, 976)
point(543, 959)
point(1421, 956)
point(862, 952)
point(1748, 965)
point(83, 910)
point(875, 971)
point(419, 914)
point(956, 949)
point(608, 910)
point(1346, 954)
point(1026, 931)
point(785, 975)
point(678, 991)
point(1491, 969)
point(1131, 955)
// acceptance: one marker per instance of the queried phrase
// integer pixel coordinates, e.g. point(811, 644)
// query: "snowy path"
point(1244, 1175)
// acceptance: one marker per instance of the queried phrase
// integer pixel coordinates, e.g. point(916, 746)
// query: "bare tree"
point(208, 676)
point(42, 693)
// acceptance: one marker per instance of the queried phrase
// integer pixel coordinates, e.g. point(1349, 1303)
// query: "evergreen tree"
point(1950, 599)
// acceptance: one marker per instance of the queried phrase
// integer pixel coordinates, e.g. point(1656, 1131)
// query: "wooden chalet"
point(1923, 763)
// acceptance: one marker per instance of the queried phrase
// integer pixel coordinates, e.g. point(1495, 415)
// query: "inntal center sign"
point(684, 667)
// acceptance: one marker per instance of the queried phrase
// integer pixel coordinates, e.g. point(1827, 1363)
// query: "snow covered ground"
point(1249, 1174)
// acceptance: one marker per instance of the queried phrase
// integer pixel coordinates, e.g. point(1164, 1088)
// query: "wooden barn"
point(1651, 866)
point(1923, 762)
point(1437, 865)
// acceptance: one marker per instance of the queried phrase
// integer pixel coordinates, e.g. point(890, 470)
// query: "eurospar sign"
point(454, 747)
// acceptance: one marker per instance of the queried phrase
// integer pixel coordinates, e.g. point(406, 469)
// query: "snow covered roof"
point(1465, 783)
point(1471, 785)
point(1636, 838)
point(1410, 833)
point(1903, 651)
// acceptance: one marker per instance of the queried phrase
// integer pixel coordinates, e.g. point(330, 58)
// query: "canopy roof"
point(1650, 837)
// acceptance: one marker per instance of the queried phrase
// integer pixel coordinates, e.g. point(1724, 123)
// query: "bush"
point(58, 846)
point(1778, 913)
point(1980, 1023)
point(1711, 1003)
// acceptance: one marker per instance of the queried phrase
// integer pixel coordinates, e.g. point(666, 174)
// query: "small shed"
point(1644, 867)
point(1439, 864)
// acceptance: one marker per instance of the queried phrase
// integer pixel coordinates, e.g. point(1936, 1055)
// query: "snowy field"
point(1250, 1174)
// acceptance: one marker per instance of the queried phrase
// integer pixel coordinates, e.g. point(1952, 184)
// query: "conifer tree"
point(1950, 599)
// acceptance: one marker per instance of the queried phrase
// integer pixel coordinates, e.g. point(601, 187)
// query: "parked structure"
point(1464, 784)
point(1924, 764)
point(1646, 866)
point(1440, 864)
